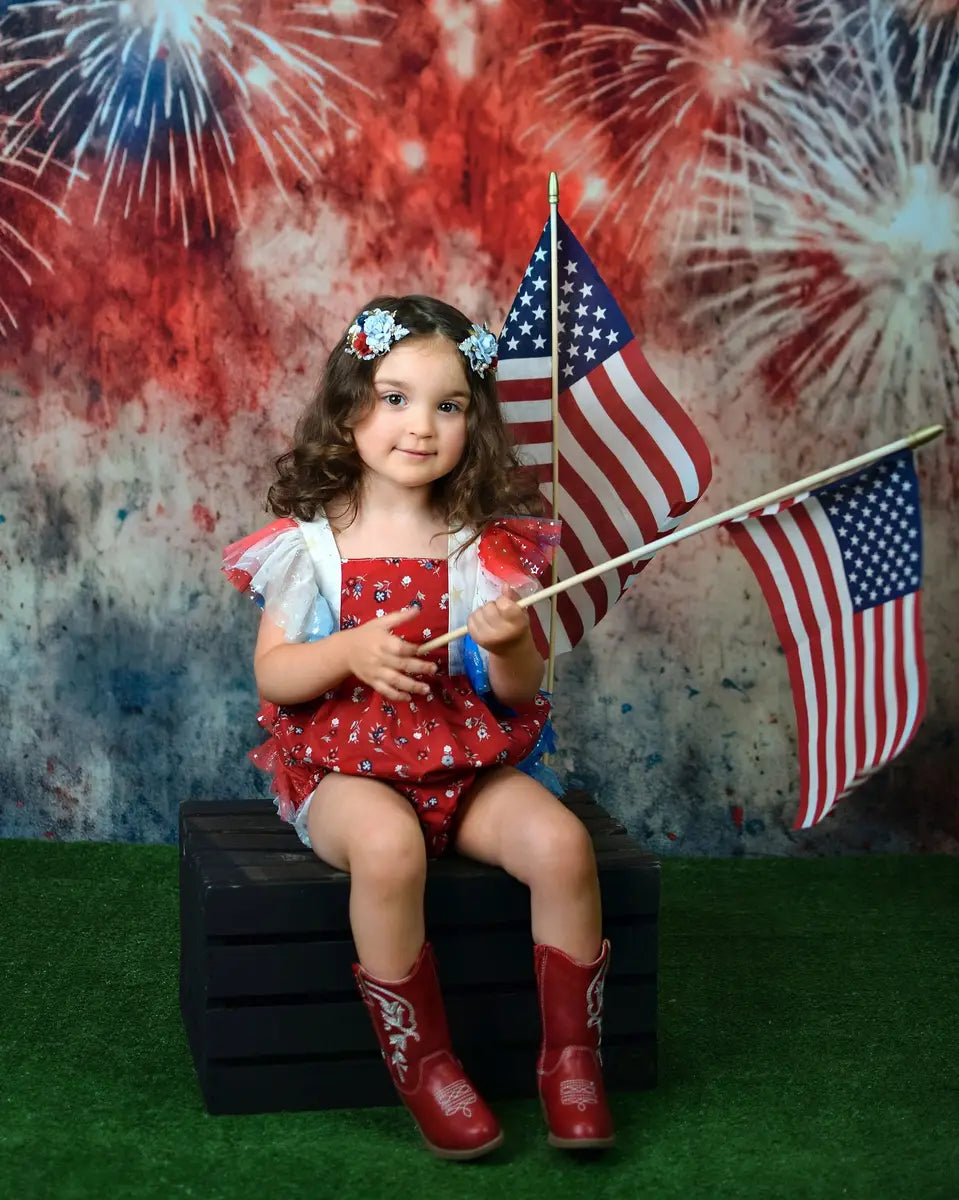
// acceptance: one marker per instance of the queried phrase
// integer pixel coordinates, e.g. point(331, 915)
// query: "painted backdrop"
point(195, 197)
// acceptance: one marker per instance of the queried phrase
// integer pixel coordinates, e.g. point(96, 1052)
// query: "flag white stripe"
point(593, 478)
point(527, 411)
point(535, 454)
point(911, 663)
point(656, 425)
point(890, 649)
point(611, 435)
point(869, 685)
point(540, 367)
point(593, 549)
point(823, 619)
point(833, 551)
point(785, 588)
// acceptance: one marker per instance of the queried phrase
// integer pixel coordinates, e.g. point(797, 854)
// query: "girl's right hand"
point(385, 661)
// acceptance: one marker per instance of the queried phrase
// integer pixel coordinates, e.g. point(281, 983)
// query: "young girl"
point(392, 530)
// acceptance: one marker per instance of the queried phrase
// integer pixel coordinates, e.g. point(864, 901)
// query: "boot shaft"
point(407, 1014)
point(570, 997)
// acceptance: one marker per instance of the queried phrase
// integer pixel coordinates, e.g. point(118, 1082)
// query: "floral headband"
point(375, 331)
point(480, 348)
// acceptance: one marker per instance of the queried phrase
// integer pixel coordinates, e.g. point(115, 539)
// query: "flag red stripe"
point(807, 617)
point(513, 390)
point(899, 676)
point(763, 571)
point(921, 671)
point(677, 417)
point(606, 460)
point(579, 561)
point(827, 579)
point(531, 433)
point(632, 429)
point(603, 526)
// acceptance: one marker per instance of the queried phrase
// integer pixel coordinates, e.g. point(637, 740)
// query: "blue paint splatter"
point(755, 825)
point(122, 514)
point(653, 760)
point(3, 519)
point(625, 708)
point(692, 692)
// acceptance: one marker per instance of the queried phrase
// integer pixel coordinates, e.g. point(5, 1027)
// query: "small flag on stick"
point(631, 462)
point(841, 571)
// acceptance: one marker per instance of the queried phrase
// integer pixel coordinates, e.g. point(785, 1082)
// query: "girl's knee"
point(561, 849)
point(390, 854)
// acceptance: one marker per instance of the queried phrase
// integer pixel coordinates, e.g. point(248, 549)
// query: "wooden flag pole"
point(553, 192)
point(919, 438)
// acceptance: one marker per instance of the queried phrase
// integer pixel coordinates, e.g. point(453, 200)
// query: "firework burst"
point(20, 169)
point(853, 297)
point(164, 90)
point(648, 94)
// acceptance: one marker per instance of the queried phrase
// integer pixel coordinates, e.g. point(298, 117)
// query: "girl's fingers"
point(409, 686)
point(391, 620)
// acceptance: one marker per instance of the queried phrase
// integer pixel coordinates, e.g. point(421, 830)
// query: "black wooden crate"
point(266, 987)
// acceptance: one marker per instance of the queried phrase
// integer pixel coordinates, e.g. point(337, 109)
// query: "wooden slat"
point(308, 1084)
point(343, 1026)
point(468, 956)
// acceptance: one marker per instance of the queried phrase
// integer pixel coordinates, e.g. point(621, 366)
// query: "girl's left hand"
point(500, 625)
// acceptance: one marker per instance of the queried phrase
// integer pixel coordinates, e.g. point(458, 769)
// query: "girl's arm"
point(294, 672)
point(515, 665)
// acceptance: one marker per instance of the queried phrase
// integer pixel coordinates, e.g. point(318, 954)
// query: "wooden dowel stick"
point(919, 438)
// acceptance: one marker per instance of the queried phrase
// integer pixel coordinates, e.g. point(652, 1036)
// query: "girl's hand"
point(385, 661)
point(501, 625)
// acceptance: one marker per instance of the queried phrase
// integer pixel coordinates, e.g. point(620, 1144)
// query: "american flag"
point(841, 570)
point(631, 462)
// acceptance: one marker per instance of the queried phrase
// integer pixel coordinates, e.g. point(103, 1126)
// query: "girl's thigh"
point(351, 817)
point(508, 819)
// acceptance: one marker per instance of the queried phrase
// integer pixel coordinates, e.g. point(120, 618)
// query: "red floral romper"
point(429, 748)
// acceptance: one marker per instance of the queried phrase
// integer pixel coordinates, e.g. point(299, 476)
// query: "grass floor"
point(809, 1048)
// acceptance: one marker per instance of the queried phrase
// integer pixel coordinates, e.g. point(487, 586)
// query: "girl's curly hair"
point(488, 482)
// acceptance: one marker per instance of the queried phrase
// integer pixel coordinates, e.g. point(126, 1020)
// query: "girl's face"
point(415, 432)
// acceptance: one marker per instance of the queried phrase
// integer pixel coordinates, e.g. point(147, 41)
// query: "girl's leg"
point(511, 821)
point(366, 828)
point(508, 819)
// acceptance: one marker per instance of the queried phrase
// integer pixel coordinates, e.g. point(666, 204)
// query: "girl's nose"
point(420, 420)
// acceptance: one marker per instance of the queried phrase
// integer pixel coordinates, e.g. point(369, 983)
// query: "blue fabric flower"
point(481, 349)
point(373, 332)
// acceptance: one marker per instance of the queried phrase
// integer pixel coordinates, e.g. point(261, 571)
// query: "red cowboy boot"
point(569, 1067)
point(410, 1025)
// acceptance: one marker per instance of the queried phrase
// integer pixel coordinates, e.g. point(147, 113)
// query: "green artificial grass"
point(808, 1048)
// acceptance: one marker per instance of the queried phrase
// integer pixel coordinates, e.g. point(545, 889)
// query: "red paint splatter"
point(736, 812)
point(204, 518)
point(672, 836)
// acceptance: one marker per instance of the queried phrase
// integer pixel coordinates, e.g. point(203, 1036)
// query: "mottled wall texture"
point(196, 196)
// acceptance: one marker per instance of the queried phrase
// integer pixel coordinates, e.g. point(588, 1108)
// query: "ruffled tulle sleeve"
point(518, 551)
point(274, 567)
